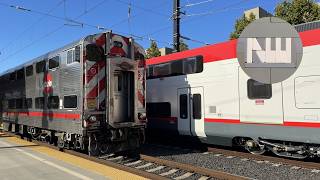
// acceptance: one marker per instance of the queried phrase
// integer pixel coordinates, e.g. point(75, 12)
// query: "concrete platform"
point(20, 159)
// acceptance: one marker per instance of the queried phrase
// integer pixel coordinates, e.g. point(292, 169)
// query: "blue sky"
point(25, 35)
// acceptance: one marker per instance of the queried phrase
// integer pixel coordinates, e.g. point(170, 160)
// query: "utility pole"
point(176, 25)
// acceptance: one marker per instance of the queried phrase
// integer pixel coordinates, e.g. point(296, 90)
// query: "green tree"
point(153, 50)
point(298, 11)
point(240, 24)
point(183, 45)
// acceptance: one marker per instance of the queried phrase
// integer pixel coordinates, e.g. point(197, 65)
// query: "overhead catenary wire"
point(29, 27)
point(197, 3)
point(49, 33)
point(75, 20)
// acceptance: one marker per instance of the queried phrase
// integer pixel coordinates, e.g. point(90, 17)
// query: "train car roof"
point(40, 58)
point(309, 33)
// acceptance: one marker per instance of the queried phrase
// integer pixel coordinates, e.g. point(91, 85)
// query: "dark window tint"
point(77, 54)
point(19, 103)
point(27, 103)
point(29, 70)
point(39, 102)
point(54, 62)
point(160, 109)
point(11, 103)
point(161, 70)
point(70, 101)
point(20, 74)
point(12, 76)
point(70, 56)
point(193, 65)
point(183, 103)
point(41, 66)
point(196, 106)
point(53, 102)
point(174, 68)
point(257, 90)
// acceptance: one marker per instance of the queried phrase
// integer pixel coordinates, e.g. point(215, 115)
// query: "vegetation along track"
point(148, 166)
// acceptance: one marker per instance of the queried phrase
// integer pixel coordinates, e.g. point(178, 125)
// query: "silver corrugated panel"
point(307, 26)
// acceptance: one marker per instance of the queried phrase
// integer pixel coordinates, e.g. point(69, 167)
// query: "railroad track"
point(149, 167)
point(313, 164)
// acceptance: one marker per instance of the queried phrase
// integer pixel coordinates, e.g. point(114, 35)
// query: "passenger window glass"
point(11, 103)
point(54, 62)
point(19, 104)
point(196, 106)
point(160, 109)
point(70, 56)
point(77, 54)
point(27, 103)
point(70, 101)
point(12, 76)
point(39, 102)
point(53, 102)
point(161, 69)
point(183, 102)
point(20, 74)
point(41, 66)
point(29, 70)
point(257, 90)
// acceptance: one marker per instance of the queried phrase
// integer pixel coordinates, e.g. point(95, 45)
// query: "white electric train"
point(204, 92)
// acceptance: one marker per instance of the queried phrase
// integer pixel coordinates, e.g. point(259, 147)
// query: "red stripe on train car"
point(94, 70)
point(43, 114)
point(227, 50)
point(285, 123)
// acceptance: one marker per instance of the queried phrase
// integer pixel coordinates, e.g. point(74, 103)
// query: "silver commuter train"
point(204, 93)
point(88, 95)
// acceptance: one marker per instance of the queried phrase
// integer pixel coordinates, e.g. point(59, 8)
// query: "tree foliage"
point(298, 11)
point(183, 46)
point(153, 50)
point(240, 24)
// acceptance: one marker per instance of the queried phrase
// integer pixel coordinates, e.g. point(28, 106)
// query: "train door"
point(191, 111)
point(259, 103)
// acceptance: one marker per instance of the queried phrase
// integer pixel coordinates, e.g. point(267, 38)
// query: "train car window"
point(29, 70)
point(12, 76)
point(70, 101)
point(193, 65)
point(27, 103)
point(39, 102)
point(159, 109)
point(77, 54)
point(257, 90)
point(161, 70)
point(183, 103)
point(185, 66)
point(41, 66)
point(70, 56)
point(54, 62)
point(176, 68)
point(20, 74)
point(196, 107)
point(11, 103)
point(53, 102)
point(19, 103)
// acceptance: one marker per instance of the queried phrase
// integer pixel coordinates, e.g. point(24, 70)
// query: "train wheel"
point(93, 148)
point(254, 148)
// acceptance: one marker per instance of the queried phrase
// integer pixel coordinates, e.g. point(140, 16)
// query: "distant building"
point(258, 12)
point(165, 51)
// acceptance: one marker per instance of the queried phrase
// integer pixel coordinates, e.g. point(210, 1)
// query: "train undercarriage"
point(287, 149)
point(95, 143)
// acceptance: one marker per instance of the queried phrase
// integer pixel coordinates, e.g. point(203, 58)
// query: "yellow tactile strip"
point(106, 171)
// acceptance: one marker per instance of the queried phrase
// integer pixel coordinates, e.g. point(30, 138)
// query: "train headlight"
point(142, 116)
point(92, 118)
